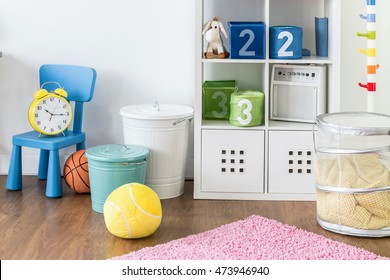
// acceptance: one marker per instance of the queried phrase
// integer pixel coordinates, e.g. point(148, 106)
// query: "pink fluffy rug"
point(255, 238)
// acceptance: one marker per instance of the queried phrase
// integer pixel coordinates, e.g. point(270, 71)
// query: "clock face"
point(52, 115)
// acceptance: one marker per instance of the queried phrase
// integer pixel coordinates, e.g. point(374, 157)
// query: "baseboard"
point(30, 164)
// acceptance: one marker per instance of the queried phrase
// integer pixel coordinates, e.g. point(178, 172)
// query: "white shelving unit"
point(274, 161)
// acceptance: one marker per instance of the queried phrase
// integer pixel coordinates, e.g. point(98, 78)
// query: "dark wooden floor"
point(35, 227)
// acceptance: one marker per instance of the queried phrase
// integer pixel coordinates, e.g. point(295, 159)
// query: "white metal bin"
point(164, 130)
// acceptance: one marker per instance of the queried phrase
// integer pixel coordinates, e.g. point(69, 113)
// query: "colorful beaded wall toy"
point(372, 66)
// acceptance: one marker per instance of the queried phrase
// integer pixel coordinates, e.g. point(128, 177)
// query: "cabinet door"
point(232, 161)
point(291, 162)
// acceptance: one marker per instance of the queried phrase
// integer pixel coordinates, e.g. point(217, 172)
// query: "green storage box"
point(216, 99)
point(247, 108)
point(111, 166)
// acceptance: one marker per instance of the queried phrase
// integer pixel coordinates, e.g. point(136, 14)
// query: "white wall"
point(143, 51)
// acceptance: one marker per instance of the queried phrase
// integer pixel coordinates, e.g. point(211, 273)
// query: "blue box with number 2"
point(247, 39)
point(285, 42)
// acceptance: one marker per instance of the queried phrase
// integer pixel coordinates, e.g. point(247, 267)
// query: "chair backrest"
point(78, 81)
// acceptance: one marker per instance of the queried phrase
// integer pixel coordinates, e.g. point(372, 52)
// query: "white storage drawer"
point(232, 161)
point(291, 162)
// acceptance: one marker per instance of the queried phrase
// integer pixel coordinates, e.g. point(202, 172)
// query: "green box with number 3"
point(216, 99)
point(247, 108)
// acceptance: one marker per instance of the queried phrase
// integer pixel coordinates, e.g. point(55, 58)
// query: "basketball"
point(76, 172)
point(132, 211)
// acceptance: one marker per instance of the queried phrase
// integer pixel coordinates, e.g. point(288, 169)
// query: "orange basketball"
point(76, 172)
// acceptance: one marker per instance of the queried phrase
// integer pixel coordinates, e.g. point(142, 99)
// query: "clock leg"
point(43, 163)
point(14, 179)
point(53, 183)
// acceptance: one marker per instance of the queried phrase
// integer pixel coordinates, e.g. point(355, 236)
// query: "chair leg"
point(53, 184)
point(14, 179)
point(43, 164)
point(80, 146)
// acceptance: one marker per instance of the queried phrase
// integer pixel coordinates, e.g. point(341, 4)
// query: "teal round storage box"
point(247, 108)
point(111, 166)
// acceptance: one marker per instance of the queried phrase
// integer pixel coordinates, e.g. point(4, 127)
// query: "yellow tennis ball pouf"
point(132, 211)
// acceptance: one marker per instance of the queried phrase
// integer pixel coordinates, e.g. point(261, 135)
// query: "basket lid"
point(156, 111)
point(355, 123)
point(117, 153)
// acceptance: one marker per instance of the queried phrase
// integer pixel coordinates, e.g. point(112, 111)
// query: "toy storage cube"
point(216, 99)
point(235, 164)
point(285, 42)
point(291, 162)
point(247, 108)
point(247, 40)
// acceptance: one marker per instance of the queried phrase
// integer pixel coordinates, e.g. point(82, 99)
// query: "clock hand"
point(52, 114)
point(48, 111)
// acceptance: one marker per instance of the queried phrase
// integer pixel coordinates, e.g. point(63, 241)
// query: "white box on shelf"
point(235, 164)
point(298, 92)
point(291, 163)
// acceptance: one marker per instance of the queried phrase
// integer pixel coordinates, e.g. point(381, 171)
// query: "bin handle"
point(156, 105)
point(122, 145)
point(135, 163)
point(182, 120)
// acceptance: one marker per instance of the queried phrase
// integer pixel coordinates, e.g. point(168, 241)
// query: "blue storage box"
point(247, 39)
point(285, 42)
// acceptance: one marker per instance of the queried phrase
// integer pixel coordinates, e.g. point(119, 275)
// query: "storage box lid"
point(248, 94)
point(117, 153)
point(156, 111)
point(247, 23)
point(222, 83)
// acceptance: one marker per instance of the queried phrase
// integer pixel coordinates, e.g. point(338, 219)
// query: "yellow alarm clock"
point(50, 113)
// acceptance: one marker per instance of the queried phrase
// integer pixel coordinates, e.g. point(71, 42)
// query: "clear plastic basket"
point(353, 173)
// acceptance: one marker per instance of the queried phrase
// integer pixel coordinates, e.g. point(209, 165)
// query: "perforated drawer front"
point(291, 162)
point(232, 161)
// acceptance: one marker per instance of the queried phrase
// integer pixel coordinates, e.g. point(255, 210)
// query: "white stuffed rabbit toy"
point(211, 31)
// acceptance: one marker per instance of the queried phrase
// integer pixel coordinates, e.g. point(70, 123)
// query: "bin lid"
point(156, 111)
point(117, 153)
point(355, 123)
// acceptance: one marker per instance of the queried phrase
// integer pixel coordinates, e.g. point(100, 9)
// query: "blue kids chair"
point(79, 82)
